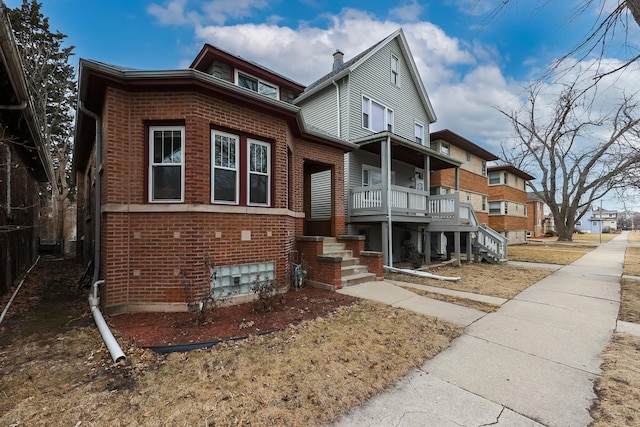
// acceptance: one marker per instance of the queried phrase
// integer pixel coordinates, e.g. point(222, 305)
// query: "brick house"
point(201, 184)
point(536, 221)
point(24, 164)
point(473, 186)
point(508, 202)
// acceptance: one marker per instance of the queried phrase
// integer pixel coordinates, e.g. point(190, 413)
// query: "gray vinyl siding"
point(320, 111)
point(373, 79)
point(321, 195)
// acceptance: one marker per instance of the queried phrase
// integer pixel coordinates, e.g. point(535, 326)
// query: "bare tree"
point(613, 17)
point(578, 154)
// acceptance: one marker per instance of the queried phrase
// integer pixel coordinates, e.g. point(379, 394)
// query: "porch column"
point(386, 255)
point(456, 245)
point(427, 174)
point(469, 247)
point(385, 165)
point(427, 244)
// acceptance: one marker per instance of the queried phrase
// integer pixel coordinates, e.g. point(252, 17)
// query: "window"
point(395, 76)
point(166, 164)
point(506, 178)
point(419, 133)
point(259, 172)
point(444, 148)
point(257, 85)
point(468, 155)
point(468, 197)
point(375, 116)
point(525, 210)
point(235, 181)
point(484, 203)
point(225, 176)
point(494, 178)
point(484, 168)
point(494, 207)
point(506, 208)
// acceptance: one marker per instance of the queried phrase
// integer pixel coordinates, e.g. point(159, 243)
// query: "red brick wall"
point(145, 252)
point(504, 192)
point(468, 181)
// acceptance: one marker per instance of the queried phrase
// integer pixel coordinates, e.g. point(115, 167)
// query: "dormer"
point(245, 73)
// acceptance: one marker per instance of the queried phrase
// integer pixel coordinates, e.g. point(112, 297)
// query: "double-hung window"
point(419, 133)
point(395, 74)
point(257, 85)
point(259, 172)
point(375, 116)
point(166, 164)
point(240, 170)
point(225, 164)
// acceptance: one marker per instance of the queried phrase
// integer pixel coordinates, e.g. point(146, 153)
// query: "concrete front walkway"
point(533, 362)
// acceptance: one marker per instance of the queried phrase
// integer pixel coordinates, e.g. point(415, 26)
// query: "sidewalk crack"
point(497, 419)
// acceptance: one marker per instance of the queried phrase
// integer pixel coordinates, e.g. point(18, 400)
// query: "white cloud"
point(409, 11)
point(178, 12)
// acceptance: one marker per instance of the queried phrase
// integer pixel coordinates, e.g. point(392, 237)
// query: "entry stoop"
point(351, 271)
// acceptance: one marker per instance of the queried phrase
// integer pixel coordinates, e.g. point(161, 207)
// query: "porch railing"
point(407, 201)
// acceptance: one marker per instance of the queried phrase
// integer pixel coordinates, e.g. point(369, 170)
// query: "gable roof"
point(511, 169)
point(463, 143)
point(208, 54)
point(362, 58)
point(18, 109)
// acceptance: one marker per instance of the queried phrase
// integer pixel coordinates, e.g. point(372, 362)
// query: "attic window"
point(257, 85)
point(395, 76)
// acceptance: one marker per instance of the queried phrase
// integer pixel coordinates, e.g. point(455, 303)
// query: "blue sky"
point(469, 63)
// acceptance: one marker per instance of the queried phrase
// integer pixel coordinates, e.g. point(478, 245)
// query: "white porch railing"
point(407, 201)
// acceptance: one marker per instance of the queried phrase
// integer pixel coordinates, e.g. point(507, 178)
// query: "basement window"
point(239, 279)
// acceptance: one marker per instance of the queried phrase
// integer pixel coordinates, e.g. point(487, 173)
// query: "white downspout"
point(94, 300)
point(111, 343)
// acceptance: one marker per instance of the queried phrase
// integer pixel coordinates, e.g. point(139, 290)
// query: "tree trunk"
point(634, 8)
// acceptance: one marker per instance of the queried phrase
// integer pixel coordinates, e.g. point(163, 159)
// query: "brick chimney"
point(337, 59)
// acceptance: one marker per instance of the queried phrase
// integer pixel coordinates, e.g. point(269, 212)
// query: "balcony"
point(407, 204)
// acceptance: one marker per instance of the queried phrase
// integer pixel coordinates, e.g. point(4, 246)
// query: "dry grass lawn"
point(502, 281)
point(629, 301)
point(619, 387)
point(478, 305)
point(305, 375)
point(549, 252)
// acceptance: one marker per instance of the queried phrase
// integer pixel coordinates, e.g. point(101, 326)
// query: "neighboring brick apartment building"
point(508, 202)
point(473, 184)
point(536, 221)
point(202, 181)
point(24, 164)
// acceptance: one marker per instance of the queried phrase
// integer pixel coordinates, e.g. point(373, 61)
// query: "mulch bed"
point(223, 323)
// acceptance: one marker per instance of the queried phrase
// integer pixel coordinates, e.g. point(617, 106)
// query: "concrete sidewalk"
point(533, 362)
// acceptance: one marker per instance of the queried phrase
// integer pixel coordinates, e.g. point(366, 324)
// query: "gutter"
point(94, 300)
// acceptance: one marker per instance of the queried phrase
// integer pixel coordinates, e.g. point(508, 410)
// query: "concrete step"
point(356, 279)
point(350, 261)
point(350, 270)
point(344, 253)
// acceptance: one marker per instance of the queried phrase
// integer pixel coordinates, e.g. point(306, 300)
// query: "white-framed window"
point(375, 116)
point(506, 208)
point(257, 85)
point(259, 169)
point(506, 178)
point(395, 73)
point(495, 207)
point(166, 164)
point(444, 148)
point(484, 168)
point(468, 156)
point(484, 203)
point(225, 176)
point(494, 178)
point(468, 197)
point(419, 133)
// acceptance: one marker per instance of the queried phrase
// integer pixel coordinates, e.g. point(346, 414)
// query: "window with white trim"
point(444, 148)
point(225, 151)
point(375, 116)
point(495, 207)
point(419, 133)
point(395, 74)
point(484, 168)
point(257, 85)
point(494, 178)
point(484, 203)
point(259, 165)
point(166, 164)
